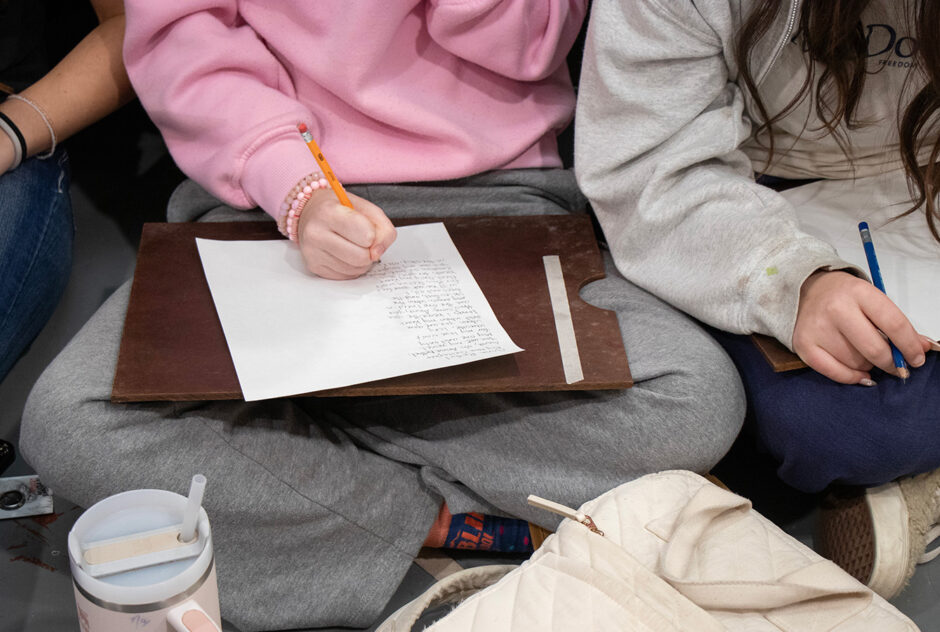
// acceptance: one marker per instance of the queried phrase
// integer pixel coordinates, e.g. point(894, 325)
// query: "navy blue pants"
point(822, 432)
point(36, 235)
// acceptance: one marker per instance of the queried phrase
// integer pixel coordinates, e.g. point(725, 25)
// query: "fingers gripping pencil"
point(327, 172)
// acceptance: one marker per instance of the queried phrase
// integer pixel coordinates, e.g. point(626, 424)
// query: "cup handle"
point(189, 617)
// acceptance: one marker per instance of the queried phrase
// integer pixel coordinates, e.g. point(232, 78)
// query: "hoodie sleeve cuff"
point(273, 170)
point(775, 292)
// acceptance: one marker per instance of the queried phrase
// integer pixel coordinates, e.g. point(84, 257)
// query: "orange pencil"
point(328, 173)
point(324, 166)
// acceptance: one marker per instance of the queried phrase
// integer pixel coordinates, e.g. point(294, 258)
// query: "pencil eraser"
point(302, 128)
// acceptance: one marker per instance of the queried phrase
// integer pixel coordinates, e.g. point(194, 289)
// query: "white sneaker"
point(879, 534)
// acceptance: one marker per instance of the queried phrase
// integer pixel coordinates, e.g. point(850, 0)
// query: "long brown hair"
point(832, 35)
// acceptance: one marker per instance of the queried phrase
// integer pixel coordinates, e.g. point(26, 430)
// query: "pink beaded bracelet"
point(293, 205)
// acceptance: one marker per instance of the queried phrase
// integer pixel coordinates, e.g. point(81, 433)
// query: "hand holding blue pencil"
point(878, 282)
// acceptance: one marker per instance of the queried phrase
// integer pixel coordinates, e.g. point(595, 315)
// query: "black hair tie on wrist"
point(16, 130)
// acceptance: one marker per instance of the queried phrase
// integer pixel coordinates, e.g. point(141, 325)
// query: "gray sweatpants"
point(319, 505)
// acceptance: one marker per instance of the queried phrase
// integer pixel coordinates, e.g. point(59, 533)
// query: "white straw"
point(191, 514)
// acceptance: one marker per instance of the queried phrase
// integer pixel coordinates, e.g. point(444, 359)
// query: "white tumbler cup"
point(132, 570)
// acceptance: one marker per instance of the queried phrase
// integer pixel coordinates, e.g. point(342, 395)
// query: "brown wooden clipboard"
point(173, 348)
point(780, 358)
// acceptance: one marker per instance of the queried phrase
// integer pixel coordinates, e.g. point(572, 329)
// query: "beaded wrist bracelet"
point(293, 205)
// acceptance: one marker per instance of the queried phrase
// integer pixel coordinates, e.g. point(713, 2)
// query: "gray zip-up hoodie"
point(659, 125)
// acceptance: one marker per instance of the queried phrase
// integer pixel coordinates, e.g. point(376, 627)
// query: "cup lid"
point(132, 538)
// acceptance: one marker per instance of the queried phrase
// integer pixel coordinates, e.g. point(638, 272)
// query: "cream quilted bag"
point(669, 552)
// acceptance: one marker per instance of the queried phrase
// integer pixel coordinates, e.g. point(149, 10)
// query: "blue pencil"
point(879, 283)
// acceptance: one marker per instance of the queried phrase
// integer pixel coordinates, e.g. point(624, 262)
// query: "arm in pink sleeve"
point(215, 91)
point(520, 39)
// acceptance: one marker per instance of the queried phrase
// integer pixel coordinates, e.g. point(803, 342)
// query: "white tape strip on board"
point(564, 327)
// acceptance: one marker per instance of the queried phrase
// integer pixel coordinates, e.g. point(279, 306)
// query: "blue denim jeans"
point(36, 235)
point(821, 432)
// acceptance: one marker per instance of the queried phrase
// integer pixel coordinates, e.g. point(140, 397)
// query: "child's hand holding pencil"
point(340, 236)
point(338, 242)
point(845, 326)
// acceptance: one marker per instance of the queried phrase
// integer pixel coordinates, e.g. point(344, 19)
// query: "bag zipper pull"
point(567, 512)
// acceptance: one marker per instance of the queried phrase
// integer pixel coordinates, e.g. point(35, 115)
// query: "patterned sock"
point(437, 536)
point(480, 532)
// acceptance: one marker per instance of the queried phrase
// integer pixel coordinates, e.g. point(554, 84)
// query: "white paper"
point(290, 332)
point(908, 255)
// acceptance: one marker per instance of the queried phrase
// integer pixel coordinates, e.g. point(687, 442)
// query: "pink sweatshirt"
point(392, 90)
